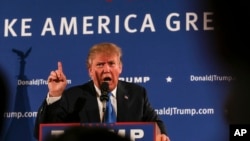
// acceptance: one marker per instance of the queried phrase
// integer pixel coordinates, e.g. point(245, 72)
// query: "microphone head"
point(104, 91)
point(105, 87)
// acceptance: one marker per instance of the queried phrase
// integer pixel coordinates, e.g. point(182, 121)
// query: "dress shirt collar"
point(99, 91)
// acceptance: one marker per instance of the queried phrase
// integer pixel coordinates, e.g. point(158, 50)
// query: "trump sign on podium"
point(136, 131)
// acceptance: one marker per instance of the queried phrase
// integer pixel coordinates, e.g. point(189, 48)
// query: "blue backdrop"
point(167, 47)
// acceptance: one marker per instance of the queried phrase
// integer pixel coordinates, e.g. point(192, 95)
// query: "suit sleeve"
point(47, 114)
point(151, 115)
point(39, 118)
point(64, 110)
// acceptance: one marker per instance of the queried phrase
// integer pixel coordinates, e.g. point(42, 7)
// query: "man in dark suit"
point(82, 103)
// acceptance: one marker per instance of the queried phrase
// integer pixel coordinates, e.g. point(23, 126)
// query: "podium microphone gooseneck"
point(104, 98)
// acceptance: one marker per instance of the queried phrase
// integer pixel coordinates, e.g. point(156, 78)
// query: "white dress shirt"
point(100, 104)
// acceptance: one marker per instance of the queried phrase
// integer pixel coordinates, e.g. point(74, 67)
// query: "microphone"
point(104, 97)
point(104, 91)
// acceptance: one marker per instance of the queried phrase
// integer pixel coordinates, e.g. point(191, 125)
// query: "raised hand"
point(57, 81)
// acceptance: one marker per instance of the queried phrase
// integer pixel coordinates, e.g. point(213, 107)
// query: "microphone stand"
point(103, 111)
point(104, 98)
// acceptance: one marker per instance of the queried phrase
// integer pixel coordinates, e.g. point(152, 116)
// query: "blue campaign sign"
point(133, 130)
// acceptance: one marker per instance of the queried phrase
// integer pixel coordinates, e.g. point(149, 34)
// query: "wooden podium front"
point(141, 131)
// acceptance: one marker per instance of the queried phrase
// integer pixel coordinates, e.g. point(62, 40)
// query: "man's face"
point(105, 68)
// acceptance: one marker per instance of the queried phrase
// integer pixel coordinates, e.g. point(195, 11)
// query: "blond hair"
point(106, 48)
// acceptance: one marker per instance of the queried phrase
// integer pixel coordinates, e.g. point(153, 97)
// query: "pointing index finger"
point(59, 66)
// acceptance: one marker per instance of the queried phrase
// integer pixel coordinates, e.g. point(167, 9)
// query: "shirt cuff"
point(51, 100)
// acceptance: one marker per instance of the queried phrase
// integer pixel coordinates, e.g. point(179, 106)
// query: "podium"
point(136, 131)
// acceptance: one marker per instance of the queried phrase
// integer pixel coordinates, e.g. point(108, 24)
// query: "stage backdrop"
point(167, 47)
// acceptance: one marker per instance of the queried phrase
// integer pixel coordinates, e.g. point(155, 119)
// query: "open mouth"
point(107, 79)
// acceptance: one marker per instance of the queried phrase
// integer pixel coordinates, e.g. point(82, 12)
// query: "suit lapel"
point(122, 103)
point(91, 112)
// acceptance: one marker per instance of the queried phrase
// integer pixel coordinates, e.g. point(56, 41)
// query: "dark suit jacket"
point(79, 104)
